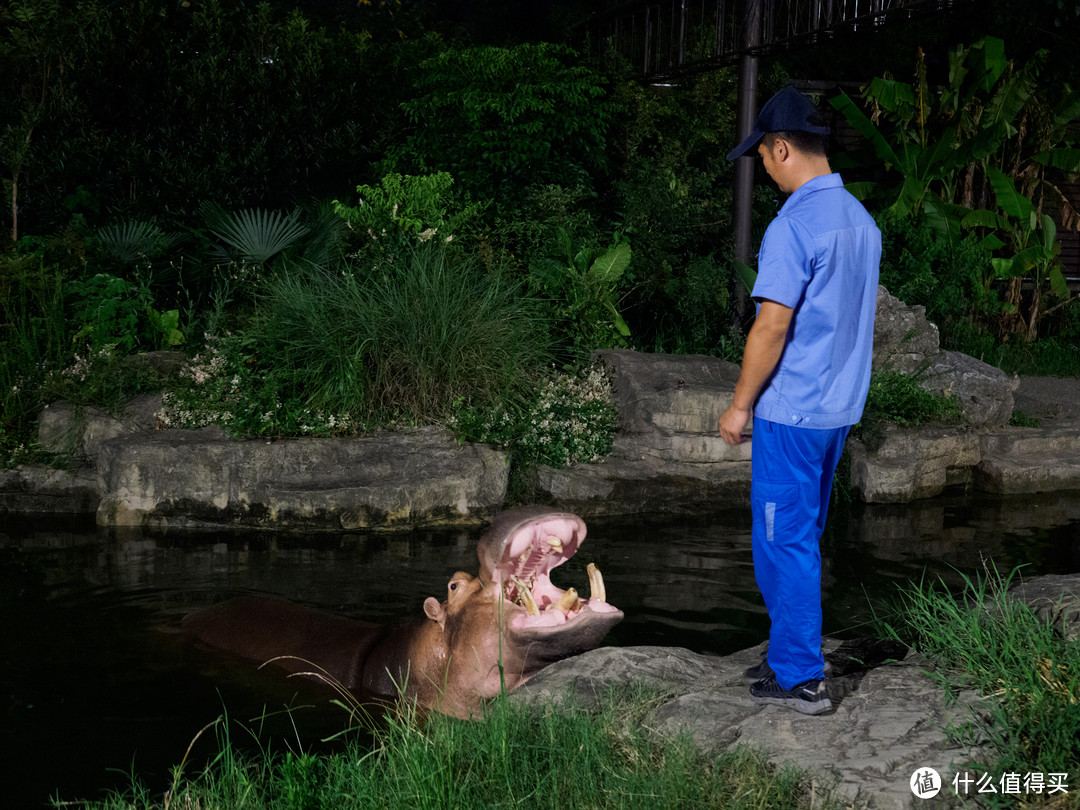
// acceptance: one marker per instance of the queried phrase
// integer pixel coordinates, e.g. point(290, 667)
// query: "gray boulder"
point(1022, 460)
point(76, 430)
point(35, 489)
point(1055, 598)
point(668, 456)
point(669, 393)
point(985, 392)
point(904, 340)
point(912, 463)
point(390, 481)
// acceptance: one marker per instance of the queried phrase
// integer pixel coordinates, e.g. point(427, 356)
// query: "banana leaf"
point(1009, 200)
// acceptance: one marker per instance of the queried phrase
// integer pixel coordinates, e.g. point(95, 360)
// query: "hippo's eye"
point(453, 586)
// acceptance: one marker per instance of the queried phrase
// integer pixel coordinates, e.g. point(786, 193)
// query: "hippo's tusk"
point(525, 597)
point(568, 601)
point(556, 544)
point(596, 583)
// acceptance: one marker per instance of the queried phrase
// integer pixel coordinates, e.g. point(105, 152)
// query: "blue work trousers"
point(792, 474)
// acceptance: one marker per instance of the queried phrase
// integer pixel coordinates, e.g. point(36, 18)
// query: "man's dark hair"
point(810, 143)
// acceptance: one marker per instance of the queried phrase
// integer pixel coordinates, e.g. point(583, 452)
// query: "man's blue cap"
point(787, 111)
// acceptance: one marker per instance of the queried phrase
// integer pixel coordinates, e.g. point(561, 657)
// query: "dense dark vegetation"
point(252, 181)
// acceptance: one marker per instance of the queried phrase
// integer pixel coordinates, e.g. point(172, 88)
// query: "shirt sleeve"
point(785, 263)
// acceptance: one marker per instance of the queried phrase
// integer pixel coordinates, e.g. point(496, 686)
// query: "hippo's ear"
point(434, 610)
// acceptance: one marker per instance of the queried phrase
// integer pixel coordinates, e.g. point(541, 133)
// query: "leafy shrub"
point(401, 211)
point(700, 317)
point(225, 384)
point(572, 419)
point(500, 119)
point(671, 189)
point(919, 266)
point(897, 398)
point(107, 310)
point(987, 151)
point(581, 287)
point(569, 418)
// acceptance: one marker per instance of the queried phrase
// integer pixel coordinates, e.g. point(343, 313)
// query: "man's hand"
point(732, 424)
point(764, 346)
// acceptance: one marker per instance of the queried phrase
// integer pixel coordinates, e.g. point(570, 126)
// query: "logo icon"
point(925, 783)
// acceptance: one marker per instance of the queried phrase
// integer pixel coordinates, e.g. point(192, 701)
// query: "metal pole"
point(682, 34)
point(747, 111)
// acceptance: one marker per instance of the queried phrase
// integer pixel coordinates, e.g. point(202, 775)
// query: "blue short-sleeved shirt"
point(820, 257)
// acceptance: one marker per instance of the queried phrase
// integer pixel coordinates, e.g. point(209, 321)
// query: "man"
point(805, 374)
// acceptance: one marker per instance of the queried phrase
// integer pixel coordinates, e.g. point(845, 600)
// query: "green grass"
point(894, 398)
point(983, 639)
point(898, 398)
point(514, 757)
point(403, 340)
point(1055, 356)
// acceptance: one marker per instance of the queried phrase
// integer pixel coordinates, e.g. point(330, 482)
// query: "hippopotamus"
point(491, 632)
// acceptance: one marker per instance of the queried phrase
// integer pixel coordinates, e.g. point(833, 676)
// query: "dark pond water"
point(95, 681)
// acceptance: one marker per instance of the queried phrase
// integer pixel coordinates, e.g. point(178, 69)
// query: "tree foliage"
point(986, 138)
point(157, 107)
point(498, 119)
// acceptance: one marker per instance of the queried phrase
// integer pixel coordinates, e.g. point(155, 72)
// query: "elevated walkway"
point(662, 38)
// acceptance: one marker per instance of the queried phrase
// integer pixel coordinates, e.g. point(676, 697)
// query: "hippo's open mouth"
point(529, 553)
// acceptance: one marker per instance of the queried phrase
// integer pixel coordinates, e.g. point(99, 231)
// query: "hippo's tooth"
point(525, 598)
point(596, 583)
point(556, 544)
point(568, 601)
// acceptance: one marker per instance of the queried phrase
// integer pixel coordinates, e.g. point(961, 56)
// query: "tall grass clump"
point(515, 756)
point(404, 340)
point(1021, 662)
point(33, 342)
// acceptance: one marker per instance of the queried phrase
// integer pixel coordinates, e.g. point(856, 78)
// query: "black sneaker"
point(759, 670)
point(808, 697)
point(763, 670)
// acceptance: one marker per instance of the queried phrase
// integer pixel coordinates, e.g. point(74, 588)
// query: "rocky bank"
point(890, 715)
point(667, 458)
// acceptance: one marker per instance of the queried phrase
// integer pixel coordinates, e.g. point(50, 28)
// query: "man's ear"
point(781, 150)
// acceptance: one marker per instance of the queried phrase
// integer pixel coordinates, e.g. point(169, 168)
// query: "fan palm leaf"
point(256, 234)
point(129, 241)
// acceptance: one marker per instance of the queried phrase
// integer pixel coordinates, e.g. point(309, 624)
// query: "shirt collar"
point(822, 181)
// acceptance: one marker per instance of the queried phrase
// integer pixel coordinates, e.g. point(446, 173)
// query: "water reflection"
point(93, 674)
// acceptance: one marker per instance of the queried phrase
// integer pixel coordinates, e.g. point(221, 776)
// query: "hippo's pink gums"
point(493, 629)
